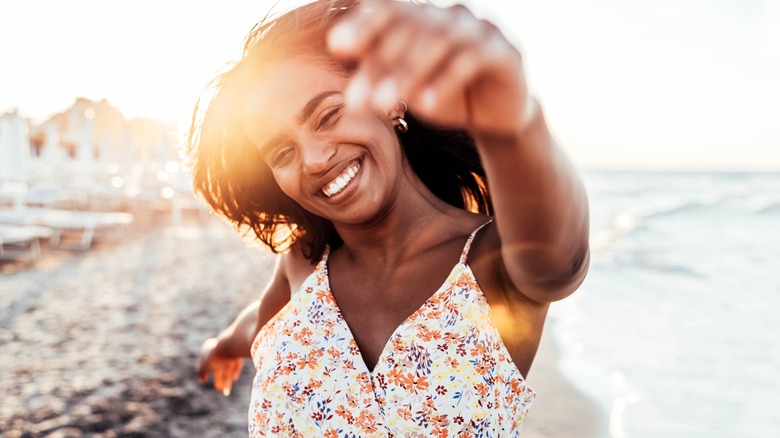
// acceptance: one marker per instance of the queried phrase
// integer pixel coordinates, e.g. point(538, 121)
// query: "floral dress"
point(445, 371)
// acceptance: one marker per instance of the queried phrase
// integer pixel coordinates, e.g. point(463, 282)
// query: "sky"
point(626, 84)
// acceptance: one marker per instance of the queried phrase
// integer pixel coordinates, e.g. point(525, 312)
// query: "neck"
point(406, 227)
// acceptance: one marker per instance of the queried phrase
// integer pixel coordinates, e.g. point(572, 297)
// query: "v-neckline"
point(445, 286)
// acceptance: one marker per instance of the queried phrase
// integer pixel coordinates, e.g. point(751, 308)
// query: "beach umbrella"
point(53, 156)
point(106, 150)
point(14, 148)
point(85, 155)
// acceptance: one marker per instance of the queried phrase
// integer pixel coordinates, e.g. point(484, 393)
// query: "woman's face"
point(337, 162)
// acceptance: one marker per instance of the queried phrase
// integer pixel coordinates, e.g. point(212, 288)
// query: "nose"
point(316, 155)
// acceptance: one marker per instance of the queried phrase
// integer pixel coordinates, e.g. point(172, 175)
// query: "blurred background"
point(112, 274)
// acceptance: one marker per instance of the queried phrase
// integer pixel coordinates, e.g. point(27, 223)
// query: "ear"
point(399, 111)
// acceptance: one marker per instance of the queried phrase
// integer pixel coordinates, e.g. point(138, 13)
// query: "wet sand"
point(104, 343)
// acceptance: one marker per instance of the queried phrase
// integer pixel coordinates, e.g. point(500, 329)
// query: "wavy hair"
point(231, 176)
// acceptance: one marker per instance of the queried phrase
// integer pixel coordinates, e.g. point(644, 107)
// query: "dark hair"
point(230, 175)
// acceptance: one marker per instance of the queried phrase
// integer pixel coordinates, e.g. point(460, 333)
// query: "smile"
point(341, 181)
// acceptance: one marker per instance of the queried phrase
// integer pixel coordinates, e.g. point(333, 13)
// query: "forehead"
point(282, 89)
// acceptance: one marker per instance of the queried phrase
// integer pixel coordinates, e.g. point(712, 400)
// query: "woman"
point(423, 215)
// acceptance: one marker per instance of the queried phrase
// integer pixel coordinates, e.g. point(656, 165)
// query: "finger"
point(237, 370)
point(205, 353)
point(466, 74)
point(221, 380)
point(450, 84)
point(423, 59)
point(357, 33)
point(203, 374)
point(447, 31)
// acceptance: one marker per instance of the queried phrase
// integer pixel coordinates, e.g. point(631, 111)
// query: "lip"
point(335, 171)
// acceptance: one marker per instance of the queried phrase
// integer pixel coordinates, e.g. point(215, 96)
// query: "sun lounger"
point(72, 229)
point(22, 241)
point(85, 225)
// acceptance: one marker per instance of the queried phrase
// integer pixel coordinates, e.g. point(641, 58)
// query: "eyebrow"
point(302, 116)
point(312, 105)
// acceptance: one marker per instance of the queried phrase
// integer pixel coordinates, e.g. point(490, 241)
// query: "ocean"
point(676, 330)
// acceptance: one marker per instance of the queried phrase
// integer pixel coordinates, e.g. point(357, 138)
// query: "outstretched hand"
point(452, 68)
point(226, 370)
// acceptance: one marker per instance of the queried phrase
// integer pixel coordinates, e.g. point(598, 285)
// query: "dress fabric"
point(445, 372)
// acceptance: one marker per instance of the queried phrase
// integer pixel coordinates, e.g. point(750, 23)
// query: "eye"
point(329, 117)
point(280, 156)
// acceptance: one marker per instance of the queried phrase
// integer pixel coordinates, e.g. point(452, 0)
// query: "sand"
point(105, 342)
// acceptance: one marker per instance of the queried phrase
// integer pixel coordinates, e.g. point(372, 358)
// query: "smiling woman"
point(229, 177)
point(394, 146)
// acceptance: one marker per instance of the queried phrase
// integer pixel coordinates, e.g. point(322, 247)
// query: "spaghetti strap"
point(464, 255)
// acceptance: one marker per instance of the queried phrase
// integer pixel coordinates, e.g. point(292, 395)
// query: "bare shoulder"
point(289, 272)
point(296, 268)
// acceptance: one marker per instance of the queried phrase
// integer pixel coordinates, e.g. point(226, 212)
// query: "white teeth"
point(341, 181)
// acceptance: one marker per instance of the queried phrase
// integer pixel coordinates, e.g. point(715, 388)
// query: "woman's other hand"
point(452, 68)
point(226, 369)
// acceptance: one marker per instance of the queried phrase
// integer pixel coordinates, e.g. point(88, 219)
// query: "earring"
point(402, 125)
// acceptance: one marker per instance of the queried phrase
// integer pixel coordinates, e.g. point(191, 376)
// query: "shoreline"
point(560, 409)
point(105, 342)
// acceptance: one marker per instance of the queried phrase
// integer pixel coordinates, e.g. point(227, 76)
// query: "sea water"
point(676, 330)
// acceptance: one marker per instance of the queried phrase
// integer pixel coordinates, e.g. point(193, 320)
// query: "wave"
point(768, 209)
point(684, 207)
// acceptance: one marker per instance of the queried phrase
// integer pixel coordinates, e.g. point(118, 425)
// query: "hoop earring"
point(402, 125)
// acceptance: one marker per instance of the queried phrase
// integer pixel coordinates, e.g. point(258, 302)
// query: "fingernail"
point(226, 392)
point(341, 37)
point(357, 91)
point(386, 94)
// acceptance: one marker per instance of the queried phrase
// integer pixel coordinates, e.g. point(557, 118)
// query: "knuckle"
point(460, 9)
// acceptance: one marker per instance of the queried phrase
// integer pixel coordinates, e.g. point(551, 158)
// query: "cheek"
point(288, 182)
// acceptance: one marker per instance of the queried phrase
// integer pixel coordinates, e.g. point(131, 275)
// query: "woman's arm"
point(541, 210)
point(223, 356)
point(456, 70)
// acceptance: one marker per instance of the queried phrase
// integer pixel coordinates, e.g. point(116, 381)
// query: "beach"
point(105, 342)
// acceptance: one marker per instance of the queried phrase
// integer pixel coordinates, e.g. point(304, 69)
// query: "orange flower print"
point(440, 421)
point(414, 383)
point(398, 346)
point(342, 412)
point(366, 421)
point(307, 361)
point(303, 335)
point(465, 281)
point(482, 368)
point(440, 433)
point(478, 350)
point(395, 377)
point(482, 389)
point(352, 401)
point(405, 413)
point(452, 338)
point(331, 433)
point(427, 335)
